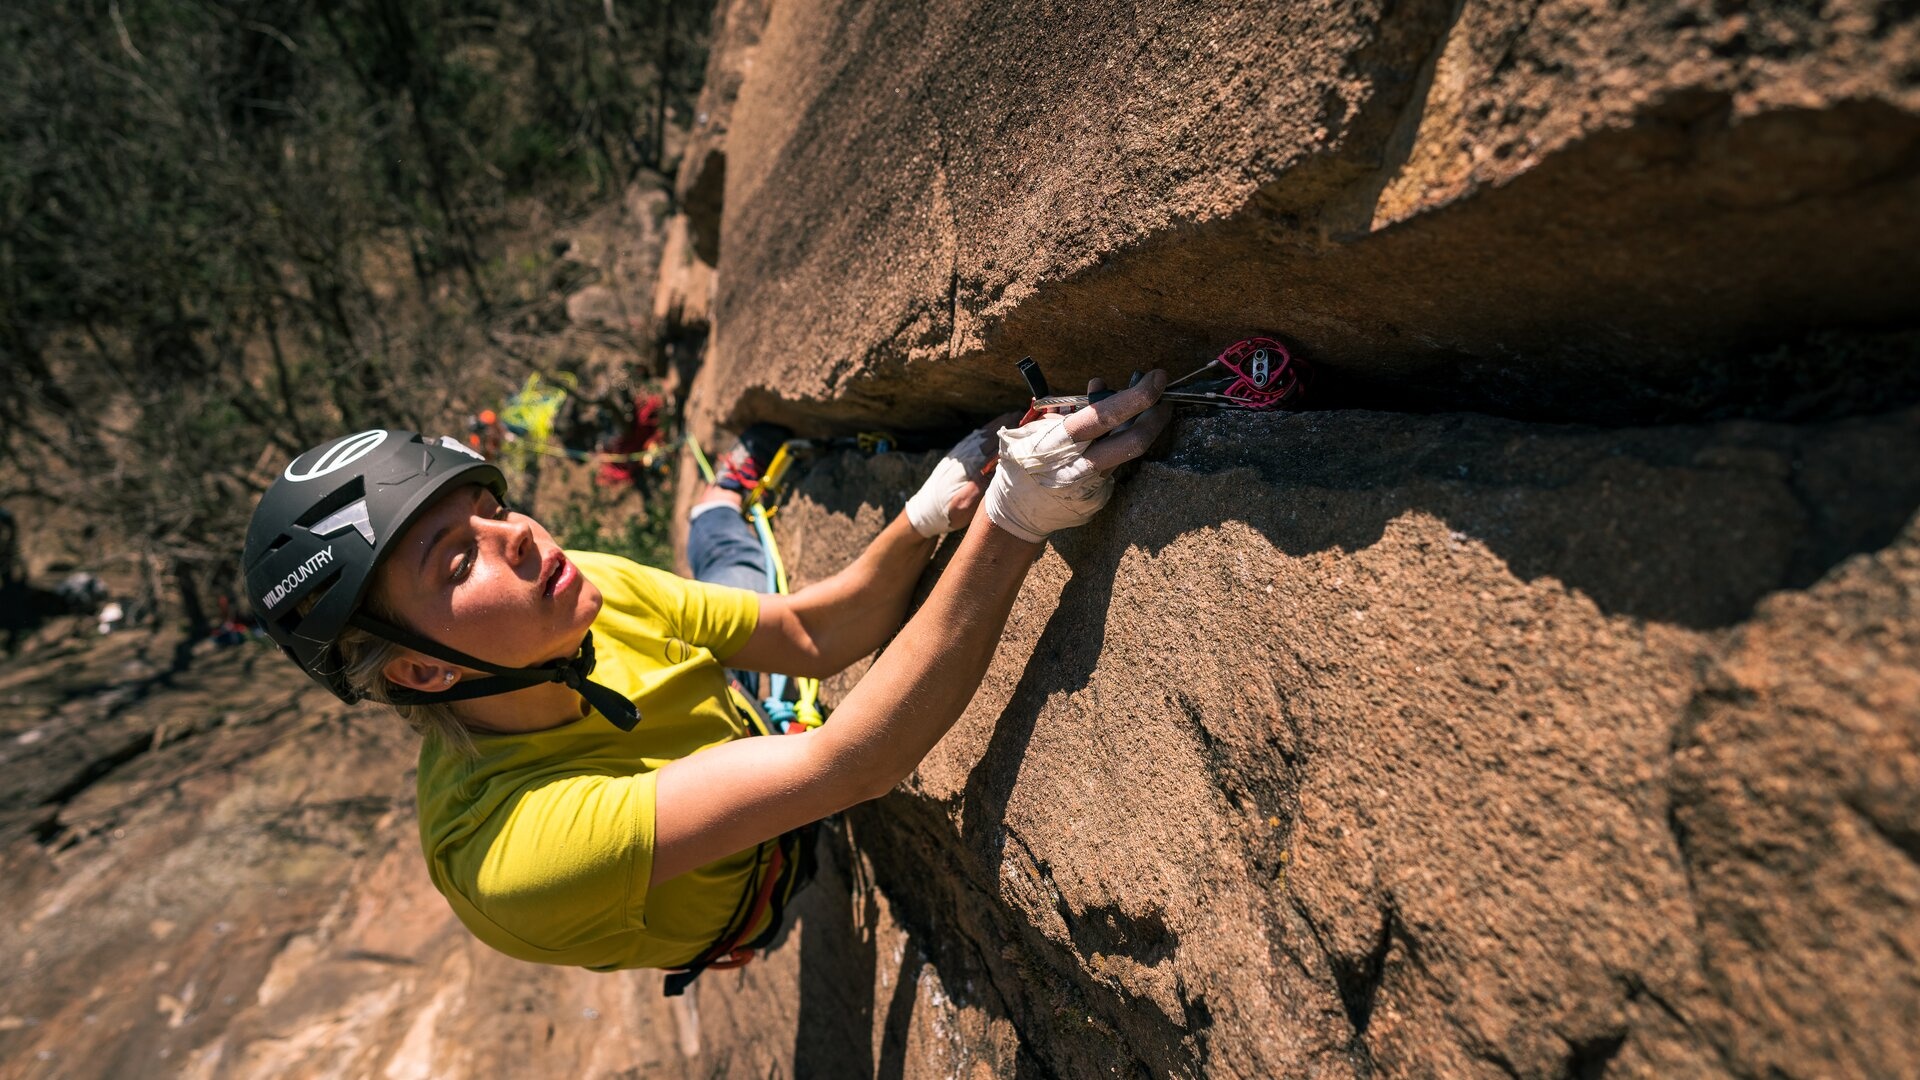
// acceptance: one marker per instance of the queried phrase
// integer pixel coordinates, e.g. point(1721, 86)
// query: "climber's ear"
point(417, 672)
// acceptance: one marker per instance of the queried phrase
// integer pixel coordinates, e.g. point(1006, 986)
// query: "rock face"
point(1546, 703)
point(702, 182)
point(216, 873)
point(1562, 210)
point(1360, 744)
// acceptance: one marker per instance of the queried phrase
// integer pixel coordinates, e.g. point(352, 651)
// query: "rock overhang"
point(1547, 212)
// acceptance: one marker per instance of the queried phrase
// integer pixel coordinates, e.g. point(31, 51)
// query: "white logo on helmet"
point(339, 455)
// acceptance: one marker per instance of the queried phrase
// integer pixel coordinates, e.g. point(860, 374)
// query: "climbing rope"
point(529, 413)
point(803, 713)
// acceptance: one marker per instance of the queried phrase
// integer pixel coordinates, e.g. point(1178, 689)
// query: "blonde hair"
point(363, 662)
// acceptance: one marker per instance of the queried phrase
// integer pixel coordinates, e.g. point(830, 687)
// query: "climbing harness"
point(1256, 374)
point(774, 882)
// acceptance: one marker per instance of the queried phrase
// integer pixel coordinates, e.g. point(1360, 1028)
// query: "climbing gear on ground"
point(1044, 481)
point(962, 465)
point(643, 444)
point(322, 528)
point(1255, 374)
point(529, 413)
point(525, 424)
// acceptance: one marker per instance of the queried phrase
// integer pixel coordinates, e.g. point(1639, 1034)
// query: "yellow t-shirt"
point(543, 844)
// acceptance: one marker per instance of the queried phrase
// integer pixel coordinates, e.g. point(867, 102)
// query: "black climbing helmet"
point(323, 527)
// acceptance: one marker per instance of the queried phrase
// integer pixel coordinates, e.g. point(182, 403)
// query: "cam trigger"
point(1036, 382)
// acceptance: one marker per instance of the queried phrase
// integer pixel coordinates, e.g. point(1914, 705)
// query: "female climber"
point(588, 790)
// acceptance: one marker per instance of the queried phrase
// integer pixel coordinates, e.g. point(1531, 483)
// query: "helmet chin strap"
point(504, 680)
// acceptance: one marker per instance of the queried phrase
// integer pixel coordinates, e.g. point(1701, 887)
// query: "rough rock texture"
point(1562, 209)
point(702, 180)
point(1359, 744)
point(1409, 741)
point(215, 873)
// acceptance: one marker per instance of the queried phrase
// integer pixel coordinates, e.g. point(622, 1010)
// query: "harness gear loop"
point(727, 952)
point(791, 864)
point(767, 892)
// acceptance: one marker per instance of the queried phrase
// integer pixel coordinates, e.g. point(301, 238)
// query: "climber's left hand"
point(947, 500)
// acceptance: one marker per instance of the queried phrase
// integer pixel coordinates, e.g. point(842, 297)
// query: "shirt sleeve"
point(570, 860)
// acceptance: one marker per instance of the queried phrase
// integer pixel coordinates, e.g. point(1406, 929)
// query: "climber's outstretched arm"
point(728, 798)
point(828, 625)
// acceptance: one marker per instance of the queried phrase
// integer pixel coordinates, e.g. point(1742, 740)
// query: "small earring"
point(450, 677)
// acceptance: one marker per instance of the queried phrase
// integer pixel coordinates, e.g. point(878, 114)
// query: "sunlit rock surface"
point(1562, 210)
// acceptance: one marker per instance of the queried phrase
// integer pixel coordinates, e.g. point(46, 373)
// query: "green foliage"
point(236, 226)
point(643, 538)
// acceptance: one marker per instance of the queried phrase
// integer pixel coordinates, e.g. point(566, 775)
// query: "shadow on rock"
point(1683, 525)
point(836, 972)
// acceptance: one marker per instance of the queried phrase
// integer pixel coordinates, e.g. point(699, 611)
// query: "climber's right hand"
point(1055, 472)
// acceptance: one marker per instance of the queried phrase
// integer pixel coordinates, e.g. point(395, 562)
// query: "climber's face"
point(487, 581)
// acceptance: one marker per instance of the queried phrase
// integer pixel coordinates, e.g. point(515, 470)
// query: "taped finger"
point(1103, 416)
point(1116, 450)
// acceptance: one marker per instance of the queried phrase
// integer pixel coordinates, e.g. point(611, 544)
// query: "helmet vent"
point(353, 515)
point(354, 490)
point(296, 614)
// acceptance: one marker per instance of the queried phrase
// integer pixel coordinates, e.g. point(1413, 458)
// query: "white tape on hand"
point(928, 509)
point(1045, 482)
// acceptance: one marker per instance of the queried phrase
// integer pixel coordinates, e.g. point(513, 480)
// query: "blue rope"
point(779, 711)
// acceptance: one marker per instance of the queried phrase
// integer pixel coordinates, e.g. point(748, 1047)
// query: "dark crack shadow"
point(1591, 1058)
point(1358, 977)
point(1687, 525)
point(899, 1019)
point(834, 1038)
